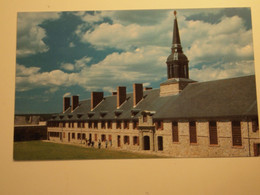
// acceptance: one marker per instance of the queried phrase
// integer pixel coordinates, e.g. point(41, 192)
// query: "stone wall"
point(182, 148)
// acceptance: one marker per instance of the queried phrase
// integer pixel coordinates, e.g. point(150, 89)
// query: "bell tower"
point(177, 62)
point(177, 66)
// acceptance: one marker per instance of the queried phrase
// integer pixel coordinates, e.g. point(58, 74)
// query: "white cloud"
point(116, 69)
point(67, 94)
point(52, 90)
point(30, 35)
point(226, 70)
point(215, 51)
point(129, 36)
point(78, 64)
point(24, 71)
point(67, 66)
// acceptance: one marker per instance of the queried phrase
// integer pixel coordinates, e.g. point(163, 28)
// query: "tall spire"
point(176, 41)
point(177, 62)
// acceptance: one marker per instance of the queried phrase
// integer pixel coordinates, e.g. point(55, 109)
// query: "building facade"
point(183, 118)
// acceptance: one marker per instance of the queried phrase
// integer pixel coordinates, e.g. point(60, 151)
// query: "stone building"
point(183, 118)
point(30, 127)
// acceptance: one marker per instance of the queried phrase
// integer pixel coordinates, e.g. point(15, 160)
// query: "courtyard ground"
point(41, 150)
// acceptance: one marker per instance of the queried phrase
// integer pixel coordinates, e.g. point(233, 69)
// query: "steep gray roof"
point(234, 97)
point(225, 98)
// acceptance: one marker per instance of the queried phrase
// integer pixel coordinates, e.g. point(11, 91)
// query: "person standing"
point(99, 144)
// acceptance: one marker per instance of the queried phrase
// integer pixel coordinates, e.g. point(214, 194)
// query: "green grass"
point(39, 150)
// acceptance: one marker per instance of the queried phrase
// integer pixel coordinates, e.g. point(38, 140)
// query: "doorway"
point(160, 142)
point(146, 142)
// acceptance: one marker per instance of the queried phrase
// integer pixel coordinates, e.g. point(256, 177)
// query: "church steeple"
point(177, 62)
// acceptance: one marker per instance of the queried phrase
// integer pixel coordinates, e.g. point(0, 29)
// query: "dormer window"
point(134, 112)
point(90, 114)
point(118, 112)
point(145, 118)
point(103, 113)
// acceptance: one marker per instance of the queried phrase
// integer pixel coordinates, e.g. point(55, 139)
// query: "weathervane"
point(175, 13)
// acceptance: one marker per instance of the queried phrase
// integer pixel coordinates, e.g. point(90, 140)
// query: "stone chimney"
point(66, 103)
point(75, 102)
point(137, 93)
point(96, 98)
point(121, 95)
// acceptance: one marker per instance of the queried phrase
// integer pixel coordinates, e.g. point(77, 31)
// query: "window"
point(256, 149)
point(126, 125)
point(95, 137)
point(79, 124)
point(136, 140)
point(83, 136)
point(126, 140)
point(54, 134)
point(89, 124)
point(95, 125)
point(193, 132)
point(175, 133)
point(103, 125)
point(213, 134)
point(236, 133)
point(63, 134)
point(255, 125)
point(110, 137)
point(145, 118)
point(69, 125)
point(118, 124)
point(79, 136)
point(103, 138)
point(109, 124)
point(159, 125)
point(135, 124)
point(72, 125)
point(73, 135)
point(83, 125)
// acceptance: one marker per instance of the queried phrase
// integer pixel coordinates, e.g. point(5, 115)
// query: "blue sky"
point(73, 53)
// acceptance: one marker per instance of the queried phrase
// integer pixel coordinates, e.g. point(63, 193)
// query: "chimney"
point(96, 98)
point(114, 93)
point(121, 95)
point(66, 103)
point(75, 102)
point(137, 93)
point(147, 88)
